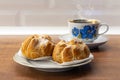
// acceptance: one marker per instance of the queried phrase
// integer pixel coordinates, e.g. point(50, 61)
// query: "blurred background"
point(57, 12)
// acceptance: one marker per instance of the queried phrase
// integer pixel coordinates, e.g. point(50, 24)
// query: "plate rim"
point(27, 64)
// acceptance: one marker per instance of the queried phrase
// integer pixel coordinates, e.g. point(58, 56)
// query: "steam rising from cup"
point(84, 9)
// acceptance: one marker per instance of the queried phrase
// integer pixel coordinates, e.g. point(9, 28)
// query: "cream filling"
point(41, 42)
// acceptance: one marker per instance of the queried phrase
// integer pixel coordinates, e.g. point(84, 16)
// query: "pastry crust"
point(37, 46)
point(69, 51)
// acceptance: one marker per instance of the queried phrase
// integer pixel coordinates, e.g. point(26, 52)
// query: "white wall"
point(57, 12)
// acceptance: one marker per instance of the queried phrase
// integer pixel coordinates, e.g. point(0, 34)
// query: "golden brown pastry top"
point(69, 51)
point(37, 46)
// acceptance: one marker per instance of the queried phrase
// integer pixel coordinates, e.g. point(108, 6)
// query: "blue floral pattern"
point(88, 32)
point(75, 31)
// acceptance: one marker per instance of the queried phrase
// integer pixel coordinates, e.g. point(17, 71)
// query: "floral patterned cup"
point(86, 29)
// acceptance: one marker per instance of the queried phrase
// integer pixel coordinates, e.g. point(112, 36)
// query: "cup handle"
point(107, 28)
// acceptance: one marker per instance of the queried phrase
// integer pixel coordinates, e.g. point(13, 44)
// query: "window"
point(57, 12)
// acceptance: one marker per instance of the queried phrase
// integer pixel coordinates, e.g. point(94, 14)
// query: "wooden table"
point(105, 66)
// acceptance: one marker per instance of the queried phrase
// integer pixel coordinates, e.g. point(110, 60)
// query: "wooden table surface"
point(105, 66)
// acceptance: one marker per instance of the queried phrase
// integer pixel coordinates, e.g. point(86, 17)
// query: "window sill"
point(19, 30)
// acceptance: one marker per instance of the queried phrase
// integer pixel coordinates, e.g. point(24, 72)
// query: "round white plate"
point(48, 65)
point(99, 41)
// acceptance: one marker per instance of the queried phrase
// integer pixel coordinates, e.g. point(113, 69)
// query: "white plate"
point(99, 41)
point(48, 65)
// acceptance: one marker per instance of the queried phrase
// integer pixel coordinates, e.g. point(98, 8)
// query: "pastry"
point(37, 46)
point(69, 51)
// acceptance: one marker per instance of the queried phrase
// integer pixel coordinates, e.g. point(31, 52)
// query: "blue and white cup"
point(86, 29)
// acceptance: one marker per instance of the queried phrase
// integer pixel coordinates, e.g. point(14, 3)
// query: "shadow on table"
point(99, 48)
point(74, 73)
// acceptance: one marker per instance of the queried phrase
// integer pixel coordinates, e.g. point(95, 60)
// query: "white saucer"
point(49, 65)
point(99, 41)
